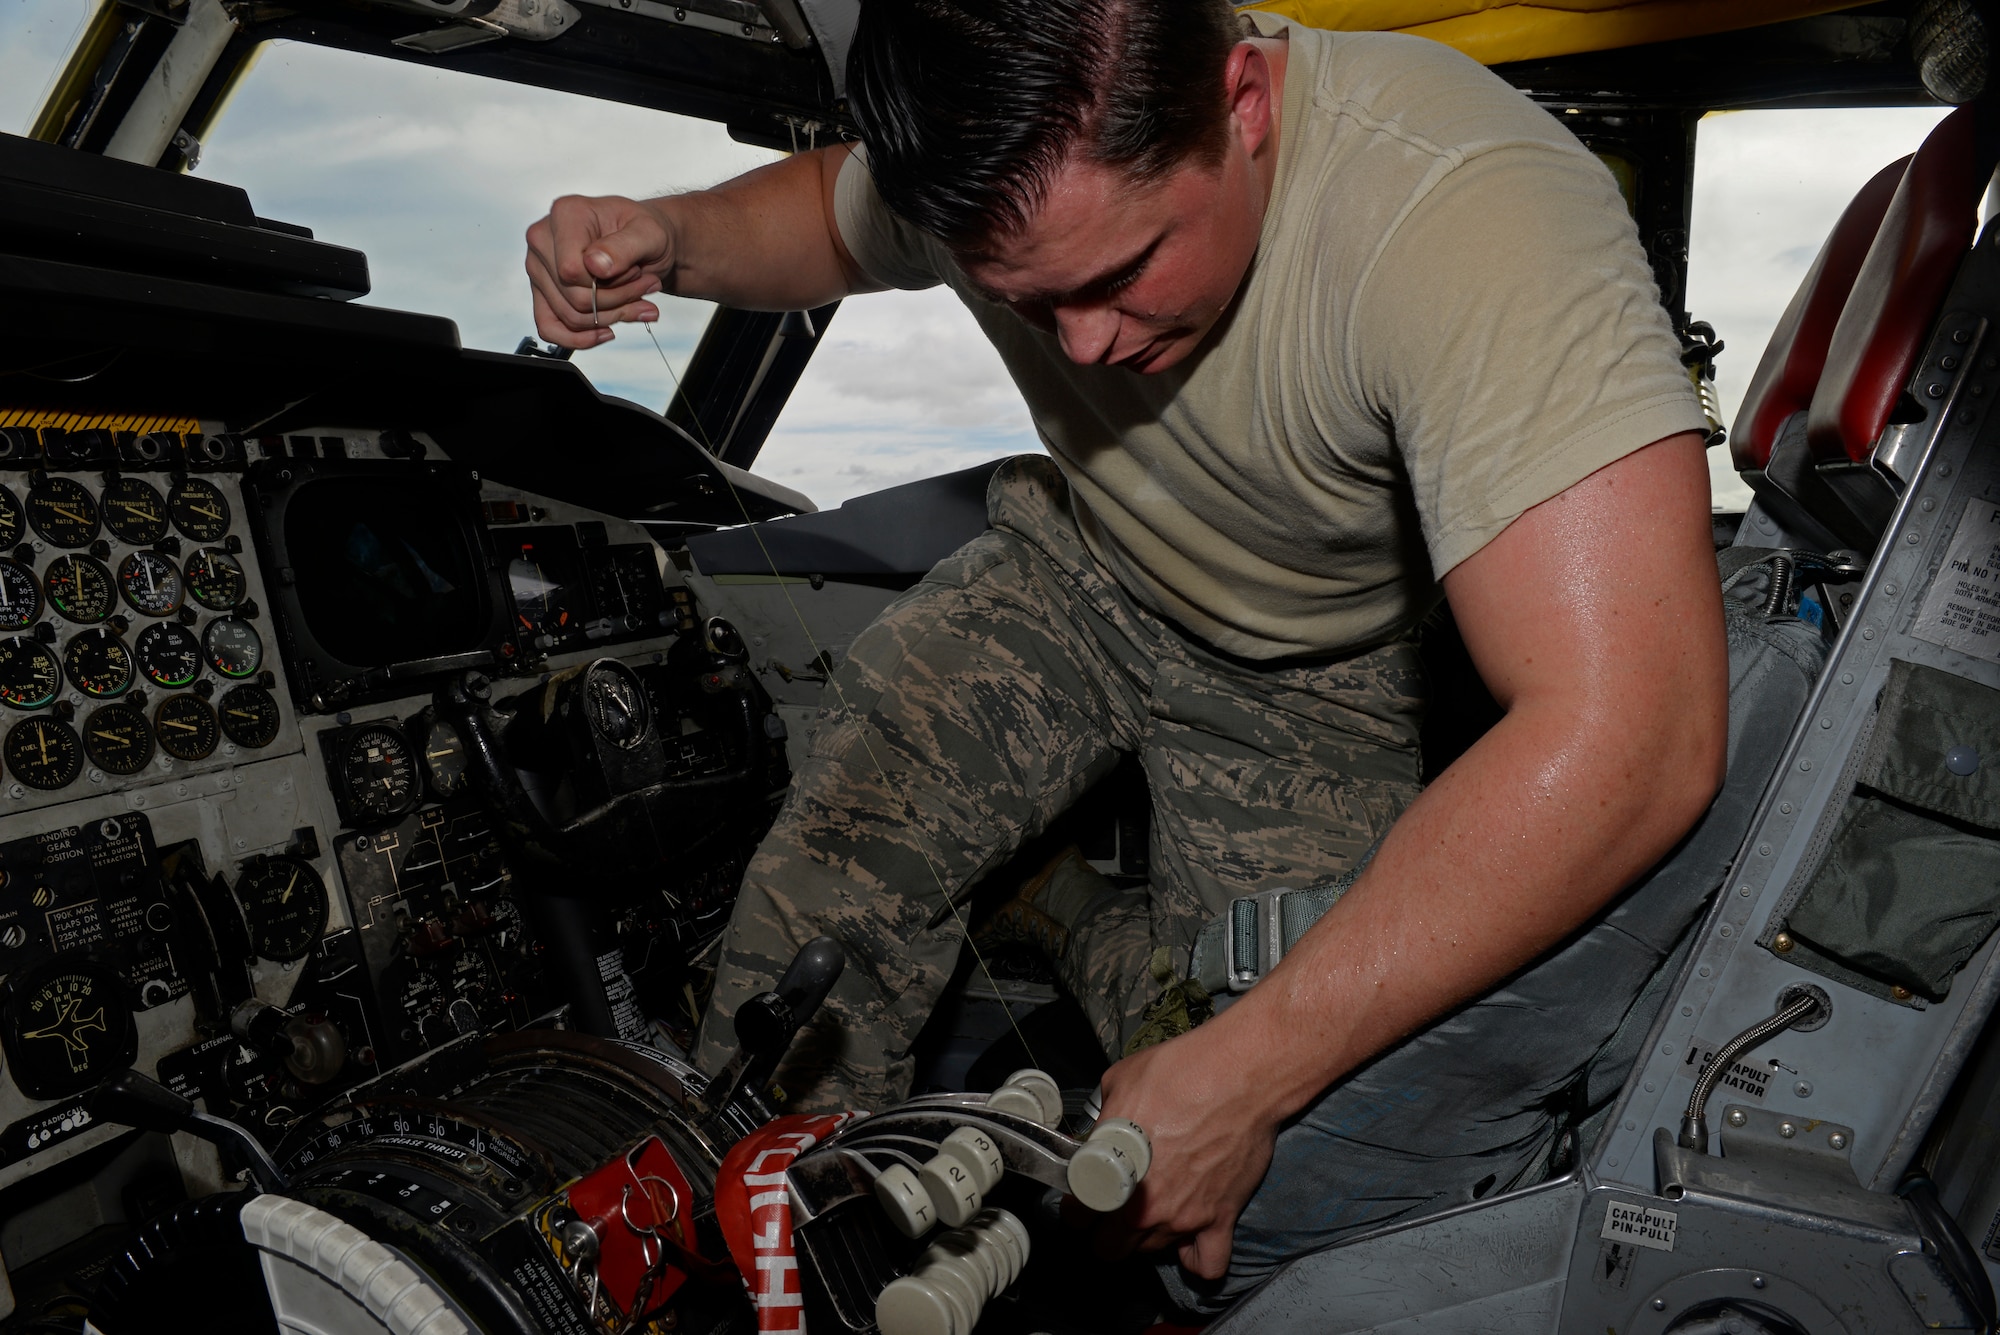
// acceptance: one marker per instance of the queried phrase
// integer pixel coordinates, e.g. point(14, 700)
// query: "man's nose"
point(1086, 332)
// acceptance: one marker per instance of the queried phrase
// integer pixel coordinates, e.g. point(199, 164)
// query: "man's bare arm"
point(763, 241)
point(1596, 622)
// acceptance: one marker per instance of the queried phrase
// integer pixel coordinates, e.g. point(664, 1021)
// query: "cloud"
point(35, 35)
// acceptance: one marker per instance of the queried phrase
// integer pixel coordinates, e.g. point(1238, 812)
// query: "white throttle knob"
point(1111, 1164)
point(1013, 1099)
point(949, 1181)
point(977, 1151)
point(905, 1200)
point(1043, 1086)
point(955, 1278)
point(913, 1305)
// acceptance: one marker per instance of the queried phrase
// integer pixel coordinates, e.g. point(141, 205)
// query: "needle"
point(286, 897)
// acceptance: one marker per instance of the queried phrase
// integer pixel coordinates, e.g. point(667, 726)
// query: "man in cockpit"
point(1313, 325)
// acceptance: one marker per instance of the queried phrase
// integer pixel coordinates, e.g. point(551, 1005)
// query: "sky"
point(436, 175)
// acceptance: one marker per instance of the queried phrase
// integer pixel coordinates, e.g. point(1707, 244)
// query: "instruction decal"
point(1740, 1077)
point(1640, 1225)
point(1962, 609)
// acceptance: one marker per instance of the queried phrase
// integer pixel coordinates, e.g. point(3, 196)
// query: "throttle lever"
point(767, 1023)
point(131, 1099)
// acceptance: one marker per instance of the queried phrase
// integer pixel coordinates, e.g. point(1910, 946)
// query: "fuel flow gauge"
point(285, 906)
point(43, 753)
point(117, 740)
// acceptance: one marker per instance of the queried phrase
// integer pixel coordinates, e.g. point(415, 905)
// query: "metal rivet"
point(1890, 588)
point(1803, 1089)
point(1962, 760)
point(1631, 1125)
point(1705, 971)
point(1805, 766)
point(1826, 723)
point(1665, 1051)
point(1785, 808)
point(1847, 679)
point(1737, 1117)
point(1786, 1130)
point(1764, 850)
point(1913, 537)
point(1782, 943)
point(1837, 1141)
point(1949, 363)
point(1659, 1304)
point(1687, 1010)
point(1610, 1163)
point(1757, 1282)
point(1726, 930)
point(1935, 391)
point(1961, 336)
point(1900, 992)
point(1743, 890)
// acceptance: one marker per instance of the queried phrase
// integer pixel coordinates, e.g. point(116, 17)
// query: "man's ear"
point(1248, 83)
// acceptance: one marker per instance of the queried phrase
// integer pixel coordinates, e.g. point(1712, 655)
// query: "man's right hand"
point(623, 244)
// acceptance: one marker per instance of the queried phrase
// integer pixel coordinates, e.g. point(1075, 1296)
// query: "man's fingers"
point(1208, 1254)
point(553, 330)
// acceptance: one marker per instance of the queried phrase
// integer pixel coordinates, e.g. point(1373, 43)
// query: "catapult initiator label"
point(1962, 610)
point(1640, 1226)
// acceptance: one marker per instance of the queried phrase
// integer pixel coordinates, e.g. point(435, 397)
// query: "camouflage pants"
point(977, 708)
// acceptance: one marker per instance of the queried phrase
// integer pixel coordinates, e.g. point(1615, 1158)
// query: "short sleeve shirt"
point(1448, 321)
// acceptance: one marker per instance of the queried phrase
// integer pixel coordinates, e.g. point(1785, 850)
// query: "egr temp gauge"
point(285, 906)
point(134, 511)
point(169, 654)
point(150, 584)
point(445, 762)
point(199, 509)
point(377, 773)
point(20, 596)
point(97, 662)
point(186, 727)
point(10, 518)
point(29, 673)
point(249, 716)
point(43, 753)
point(67, 1023)
point(118, 740)
point(214, 579)
point(233, 647)
point(61, 510)
point(79, 587)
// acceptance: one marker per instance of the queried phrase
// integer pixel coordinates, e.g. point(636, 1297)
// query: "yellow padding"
point(1496, 31)
point(40, 417)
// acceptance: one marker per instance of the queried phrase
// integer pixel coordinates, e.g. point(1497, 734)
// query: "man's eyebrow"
point(1108, 276)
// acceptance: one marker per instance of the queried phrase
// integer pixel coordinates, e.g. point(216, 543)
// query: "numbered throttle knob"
point(1031, 1094)
point(953, 1186)
point(1113, 1161)
point(903, 1198)
point(955, 1277)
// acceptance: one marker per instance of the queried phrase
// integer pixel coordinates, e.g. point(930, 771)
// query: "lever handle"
point(812, 974)
point(131, 1099)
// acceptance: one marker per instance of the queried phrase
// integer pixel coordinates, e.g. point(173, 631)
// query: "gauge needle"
point(111, 737)
point(67, 513)
point(286, 897)
point(241, 713)
point(176, 723)
point(205, 514)
point(42, 736)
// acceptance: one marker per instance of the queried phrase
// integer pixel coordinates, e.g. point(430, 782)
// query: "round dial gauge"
point(199, 509)
point(186, 727)
point(20, 596)
point(79, 587)
point(43, 753)
point(60, 509)
point(378, 774)
point(10, 518)
point(150, 584)
point(117, 740)
point(444, 759)
point(168, 653)
point(135, 511)
point(29, 674)
point(67, 1024)
point(215, 579)
point(284, 903)
point(97, 663)
point(616, 704)
point(233, 647)
point(249, 716)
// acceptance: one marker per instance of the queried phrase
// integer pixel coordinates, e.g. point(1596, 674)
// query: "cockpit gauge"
point(10, 518)
point(616, 705)
point(150, 584)
point(186, 727)
point(214, 579)
point(249, 716)
point(199, 509)
point(29, 673)
point(20, 596)
point(377, 773)
point(61, 510)
point(79, 587)
point(168, 653)
point(445, 763)
point(541, 598)
point(43, 753)
point(118, 740)
point(67, 1023)
point(135, 511)
point(97, 662)
point(233, 647)
point(284, 903)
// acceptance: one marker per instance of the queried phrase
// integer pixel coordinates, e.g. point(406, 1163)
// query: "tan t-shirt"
point(1448, 321)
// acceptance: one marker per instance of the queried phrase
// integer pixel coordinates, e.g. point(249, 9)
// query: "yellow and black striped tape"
point(68, 421)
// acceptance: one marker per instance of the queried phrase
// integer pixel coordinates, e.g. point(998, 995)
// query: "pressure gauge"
point(43, 753)
point(377, 774)
point(150, 584)
point(20, 596)
point(118, 740)
point(445, 763)
point(29, 673)
point(285, 906)
point(169, 654)
point(199, 509)
point(215, 579)
point(62, 512)
point(186, 727)
point(233, 647)
point(10, 518)
point(79, 587)
point(134, 511)
point(97, 663)
point(249, 716)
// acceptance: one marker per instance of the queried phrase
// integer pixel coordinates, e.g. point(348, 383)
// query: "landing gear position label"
point(1962, 610)
point(1640, 1226)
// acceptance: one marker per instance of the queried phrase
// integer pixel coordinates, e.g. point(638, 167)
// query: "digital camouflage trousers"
point(979, 706)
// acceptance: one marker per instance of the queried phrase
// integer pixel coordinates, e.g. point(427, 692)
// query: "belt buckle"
point(1252, 937)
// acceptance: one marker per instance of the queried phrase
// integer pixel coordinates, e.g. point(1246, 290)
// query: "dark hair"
point(969, 107)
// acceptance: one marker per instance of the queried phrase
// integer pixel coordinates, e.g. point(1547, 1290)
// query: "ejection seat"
point(1809, 1140)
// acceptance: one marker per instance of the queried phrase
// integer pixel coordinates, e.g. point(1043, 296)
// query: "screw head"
point(1659, 1304)
point(1786, 1130)
point(1756, 1281)
point(1900, 993)
point(1782, 943)
point(1737, 1117)
point(1837, 1140)
point(1803, 1089)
